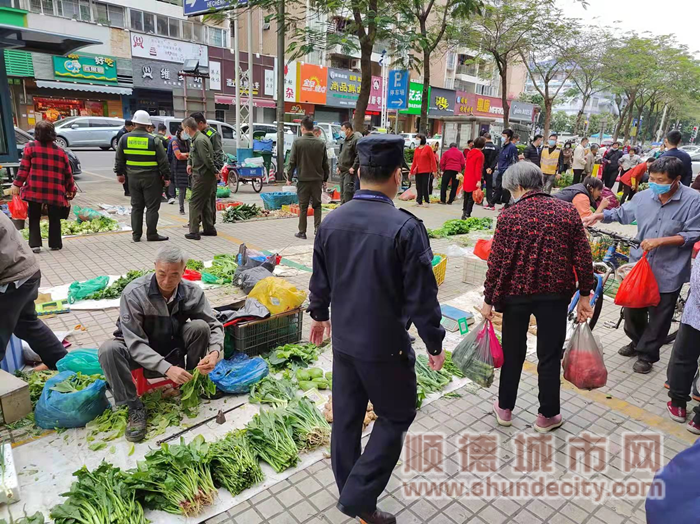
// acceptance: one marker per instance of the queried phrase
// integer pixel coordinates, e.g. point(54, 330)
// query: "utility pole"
point(237, 78)
point(280, 88)
point(250, 78)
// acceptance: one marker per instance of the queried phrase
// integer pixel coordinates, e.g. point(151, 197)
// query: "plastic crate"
point(220, 206)
point(294, 208)
point(440, 269)
point(258, 336)
point(474, 271)
point(278, 199)
point(251, 172)
point(243, 154)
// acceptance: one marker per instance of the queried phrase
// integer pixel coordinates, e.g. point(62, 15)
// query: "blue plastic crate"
point(277, 200)
point(14, 358)
point(243, 154)
point(264, 145)
point(251, 172)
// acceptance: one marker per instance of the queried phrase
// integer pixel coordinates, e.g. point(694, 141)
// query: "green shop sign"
point(415, 97)
point(85, 69)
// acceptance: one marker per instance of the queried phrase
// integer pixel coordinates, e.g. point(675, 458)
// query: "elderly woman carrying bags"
point(539, 243)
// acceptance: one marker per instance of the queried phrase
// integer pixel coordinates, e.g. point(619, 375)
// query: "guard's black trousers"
point(391, 386)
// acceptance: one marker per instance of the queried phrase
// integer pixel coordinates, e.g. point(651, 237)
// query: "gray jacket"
point(310, 158)
point(153, 332)
point(17, 261)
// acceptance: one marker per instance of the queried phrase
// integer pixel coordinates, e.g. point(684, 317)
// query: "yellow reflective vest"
point(549, 161)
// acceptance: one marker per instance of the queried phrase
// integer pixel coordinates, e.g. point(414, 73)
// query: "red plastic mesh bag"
point(639, 289)
point(583, 360)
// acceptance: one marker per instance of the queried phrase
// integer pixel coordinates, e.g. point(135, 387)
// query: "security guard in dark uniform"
point(372, 267)
point(218, 152)
point(143, 159)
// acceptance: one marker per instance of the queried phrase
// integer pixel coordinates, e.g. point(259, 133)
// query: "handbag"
point(65, 212)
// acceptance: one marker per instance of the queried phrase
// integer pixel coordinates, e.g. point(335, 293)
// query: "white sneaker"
point(171, 201)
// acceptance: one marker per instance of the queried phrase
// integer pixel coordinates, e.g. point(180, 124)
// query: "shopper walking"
point(201, 164)
point(451, 163)
point(423, 167)
point(472, 175)
point(539, 253)
point(611, 164)
point(44, 177)
point(507, 156)
point(490, 163)
point(590, 161)
point(178, 167)
point(627, 162)
point(348, 162)
point(309, 158)
point(579, 161)
point(629, 182)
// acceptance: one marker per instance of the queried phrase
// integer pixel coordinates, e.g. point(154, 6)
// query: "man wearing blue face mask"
point(668, 224)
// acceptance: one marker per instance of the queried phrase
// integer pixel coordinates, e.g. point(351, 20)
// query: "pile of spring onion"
point(429, 381)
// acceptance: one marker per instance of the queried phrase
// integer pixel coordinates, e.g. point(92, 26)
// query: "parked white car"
point(227, 131)
point(87, 131)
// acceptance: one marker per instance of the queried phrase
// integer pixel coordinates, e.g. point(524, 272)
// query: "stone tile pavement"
point(629, 402)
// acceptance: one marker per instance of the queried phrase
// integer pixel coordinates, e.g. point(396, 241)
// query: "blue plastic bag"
point(235, 375)
point(82, 360)
point(70, 410)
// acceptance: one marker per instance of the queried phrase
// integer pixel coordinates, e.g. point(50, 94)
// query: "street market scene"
point(273, 261)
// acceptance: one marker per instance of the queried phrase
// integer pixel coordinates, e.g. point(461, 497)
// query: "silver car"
point(88, 131)
point(227, 131)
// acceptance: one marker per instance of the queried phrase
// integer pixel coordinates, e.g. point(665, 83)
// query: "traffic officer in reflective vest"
point(218, 152)
point(143, 159)
point(372, 267)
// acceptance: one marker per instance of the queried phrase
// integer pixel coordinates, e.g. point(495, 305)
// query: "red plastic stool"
point(143, 384)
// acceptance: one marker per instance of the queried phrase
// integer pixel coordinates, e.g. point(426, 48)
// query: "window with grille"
point(174, 27)
point(149, 25)
point(216, 37)
point(187, 33)
point(136, 18)
point(116, 15)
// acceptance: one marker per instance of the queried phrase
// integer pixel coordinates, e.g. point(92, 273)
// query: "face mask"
point(660, 189)
point(185, 135)
point(552, 143)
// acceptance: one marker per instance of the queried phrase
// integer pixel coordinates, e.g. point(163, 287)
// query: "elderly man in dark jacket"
point(310, 159)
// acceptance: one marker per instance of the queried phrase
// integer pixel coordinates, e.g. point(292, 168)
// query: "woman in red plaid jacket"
point(45, 177)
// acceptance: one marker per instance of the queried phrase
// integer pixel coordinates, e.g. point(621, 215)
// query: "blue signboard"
point(397, 90)
point(200, 7)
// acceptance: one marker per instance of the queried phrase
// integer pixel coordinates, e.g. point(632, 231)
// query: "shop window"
point(174, 26)
point(149, 25)
point(216, 36)
point(136, 18)
point(219, 115)
point(35, 6)
point(187, 31)
point(85, 11)
point(162, 25)
point(116, 16)
point(198, 33)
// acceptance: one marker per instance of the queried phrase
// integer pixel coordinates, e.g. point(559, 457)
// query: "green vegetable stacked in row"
point(190, 392)
point(115, 290)
point(176, 479)
point(290, 354)
point(461, 227)
point(428, 379)
point(75, 383)
point(222, 269)
point(276, 392)
point(480, 372)
point(238, 213)
point(314, 378)
point(272, 440)
point(103, 496)
point(195, 265)
point(451, 367)
point(309, 427)
point(72, 227)
point(234, 465)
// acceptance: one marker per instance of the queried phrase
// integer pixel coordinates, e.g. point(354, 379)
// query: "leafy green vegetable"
point(303, 375)
point(277, 392)
point(75, 383)
point(72, 227)
point(192, 390)
point(195, 265)
point(234, 465)
point(429, 381)
point(222, 269)
point(115, 290)
point(460, 227)
point(37, 518)
point(451, 367)
point(272, 439)
point(238, 213)
point(315, 373)
point(290, 354)
point(309, 427)
point(97, 446)
point(36, 381)
point(111, 421)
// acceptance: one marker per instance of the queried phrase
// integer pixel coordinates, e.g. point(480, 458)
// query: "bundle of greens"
point(276, 392)
point(234, 465)
point(290, 354)
point(243, 212)
point(190, 392)
point(36, 381)
point(195, 265)
point(37, 518)
point(111, 421)
point(75, 383)
point(461, 227)
point(103, 496)
point(272, 440)
point(176, 479)
point(223, 268)
point(313, 378)
point(309, 428)
point(72, 227)
point(429, 381)
point(115, 290)
point(451, 367)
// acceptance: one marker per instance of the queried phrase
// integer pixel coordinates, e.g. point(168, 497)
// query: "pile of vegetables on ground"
point(461, 227)
point(243, 212)
point(73, 227)
point(115, 290)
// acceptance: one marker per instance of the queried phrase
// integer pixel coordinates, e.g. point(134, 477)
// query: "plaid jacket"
point(45, 174)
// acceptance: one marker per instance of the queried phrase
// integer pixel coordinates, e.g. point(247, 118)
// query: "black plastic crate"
point(258, 336)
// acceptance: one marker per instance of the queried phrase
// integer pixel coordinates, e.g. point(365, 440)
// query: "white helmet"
point(141, 117)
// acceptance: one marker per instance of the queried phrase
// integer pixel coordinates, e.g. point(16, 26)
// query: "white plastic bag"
point(289, 189)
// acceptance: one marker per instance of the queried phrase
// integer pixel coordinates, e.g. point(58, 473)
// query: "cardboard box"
point(14, 397)
point(474, 271)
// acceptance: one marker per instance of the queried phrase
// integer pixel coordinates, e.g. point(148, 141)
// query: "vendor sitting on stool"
point(153, 332)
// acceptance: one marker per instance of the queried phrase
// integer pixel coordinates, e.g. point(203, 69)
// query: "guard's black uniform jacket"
point(374, 263)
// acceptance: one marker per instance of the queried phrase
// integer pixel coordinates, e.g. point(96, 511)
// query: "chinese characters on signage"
point(245, 86)
point(215, 76)
point(86, 68)
point(157, 48)
point(312, 84)
point(415, 98)
point(344, 88)
point(397, 92)
point(164, 76)
point(290, 82)
point(442, 102)
point(478, 105)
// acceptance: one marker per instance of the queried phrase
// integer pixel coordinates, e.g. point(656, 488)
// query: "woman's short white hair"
point(523, 174)
point(171, 255)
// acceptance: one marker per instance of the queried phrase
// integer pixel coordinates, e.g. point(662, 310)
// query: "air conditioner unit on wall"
point(355, 63)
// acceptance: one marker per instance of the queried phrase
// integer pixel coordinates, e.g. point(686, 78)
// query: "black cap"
point(380, 151)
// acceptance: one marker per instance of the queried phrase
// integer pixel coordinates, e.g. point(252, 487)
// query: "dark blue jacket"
point(684, 157)
point(507, 157)
point(373, 268)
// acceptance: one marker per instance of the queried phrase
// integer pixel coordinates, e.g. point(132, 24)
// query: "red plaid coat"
point(45, 174)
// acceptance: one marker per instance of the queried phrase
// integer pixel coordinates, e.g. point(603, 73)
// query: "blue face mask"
point(185, 135)
point(660, 189)
point(552, 143)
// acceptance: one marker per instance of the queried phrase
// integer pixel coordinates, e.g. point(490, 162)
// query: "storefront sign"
point(376, 94)
point(291, 82)
point(397, 92)
point(521, 111)
point(343, 88)
point(215, 76)
point(312, 84)
point(415, 99)
point(157, 48)
point(269, 82)
point(258, 80)
point(154, 74)
point(442, 102)
point(478, 105)
point(100, 69)
point(298, 109)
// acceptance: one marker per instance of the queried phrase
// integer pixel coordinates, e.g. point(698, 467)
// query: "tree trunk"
point(639, 125)
point(366, 87)
point(630, 114)
point(618, 126)
point(579, 116)
point(425, 98)
point(504, 94)
point(547, 115)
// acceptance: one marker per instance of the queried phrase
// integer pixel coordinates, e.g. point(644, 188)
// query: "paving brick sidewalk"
point(630, 402)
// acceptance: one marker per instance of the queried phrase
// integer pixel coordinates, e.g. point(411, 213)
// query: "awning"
point(257, 102)
point(15, 37)
point(87, 88)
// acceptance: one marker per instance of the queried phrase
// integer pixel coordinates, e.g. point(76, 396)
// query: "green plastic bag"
point(83, 360)
point(223, 192)
point(208, 278)
point(85, 214)
point(80, 290)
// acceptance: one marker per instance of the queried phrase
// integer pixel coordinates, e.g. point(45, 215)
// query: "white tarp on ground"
point(45, 465)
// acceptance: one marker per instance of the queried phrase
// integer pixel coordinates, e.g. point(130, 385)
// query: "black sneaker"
point(136, 425)
point(642, 366)
point(157, 238)
point(629, 350)
point(301, 235)
point(193, 236)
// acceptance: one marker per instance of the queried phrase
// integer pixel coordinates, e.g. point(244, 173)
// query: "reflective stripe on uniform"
point(139, 152)
point(140, 164)
point(137, 142)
